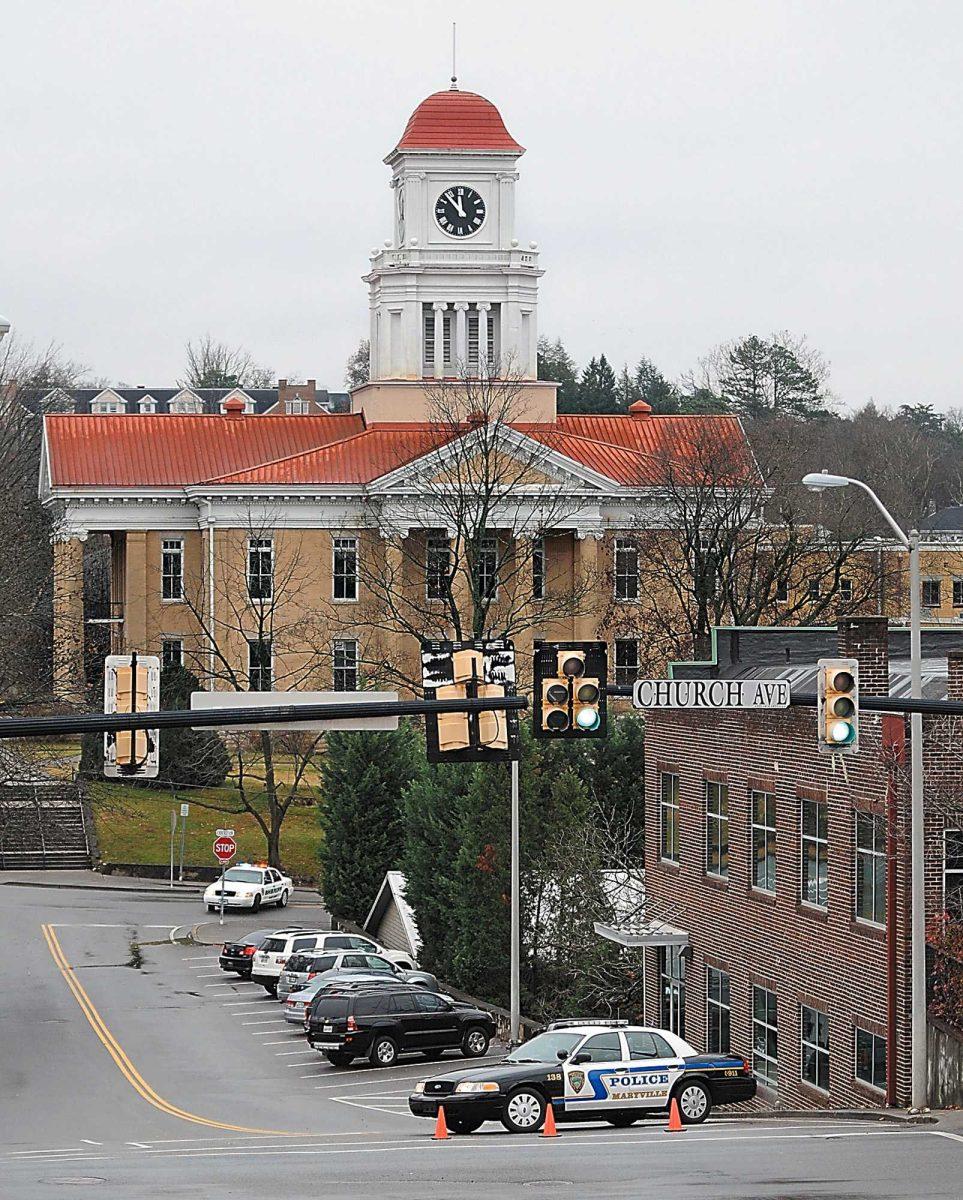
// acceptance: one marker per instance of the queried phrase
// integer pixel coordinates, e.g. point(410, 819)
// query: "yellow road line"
point(124, 1065)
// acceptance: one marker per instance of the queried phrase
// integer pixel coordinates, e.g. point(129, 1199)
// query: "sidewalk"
point(94, 881)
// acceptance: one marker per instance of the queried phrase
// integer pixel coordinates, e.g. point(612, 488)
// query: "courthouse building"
point(204, 504)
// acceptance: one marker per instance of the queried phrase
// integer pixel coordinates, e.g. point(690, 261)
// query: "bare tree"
point(461, 551)
point(739, 544)
point(32, 382)
point(262, 634)
point(213, 364)
point(358, 367)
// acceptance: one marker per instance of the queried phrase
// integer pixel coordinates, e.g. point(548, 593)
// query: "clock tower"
point(452, 293)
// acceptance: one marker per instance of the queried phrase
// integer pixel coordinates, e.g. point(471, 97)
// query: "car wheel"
point(384, 1051)
point(271, 989)
point(256, 906)
point(694, 1101)
point(283, 902)
point(464, 1124)
point(338, 1059)
point(622, 1120)
point(475, 1043)
point(524, 1111)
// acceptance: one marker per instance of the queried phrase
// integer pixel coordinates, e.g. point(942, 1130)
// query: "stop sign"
point(224, 849)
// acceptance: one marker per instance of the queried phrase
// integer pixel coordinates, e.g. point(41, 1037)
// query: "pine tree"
point(598, 388)
point(779, 376)
point(363, 777)
point(653, 387)
point(556, 364)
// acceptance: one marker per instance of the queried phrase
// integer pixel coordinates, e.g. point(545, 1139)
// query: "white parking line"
point(285, 1042)
point(249, 1012)
point(266, 1021)
point(215, 975)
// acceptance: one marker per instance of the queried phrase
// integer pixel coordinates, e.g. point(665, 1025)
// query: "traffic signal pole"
point(515, 1000)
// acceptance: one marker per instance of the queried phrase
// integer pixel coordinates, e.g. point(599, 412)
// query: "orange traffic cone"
point(675, 1121)
point(441, 1133)
point(548, 1128)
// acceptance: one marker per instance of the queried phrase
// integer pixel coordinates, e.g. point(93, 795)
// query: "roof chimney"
point(954, 675)
point(867, 640)
point(234, 407)
point(640, 409)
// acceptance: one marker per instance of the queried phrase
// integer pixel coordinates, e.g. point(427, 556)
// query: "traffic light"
point(462, 671)
point(570, 679)
point(132, 684)
point(837, 712)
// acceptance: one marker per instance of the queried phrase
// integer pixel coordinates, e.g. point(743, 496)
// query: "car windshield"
point(545, 1047)
point(240, 875)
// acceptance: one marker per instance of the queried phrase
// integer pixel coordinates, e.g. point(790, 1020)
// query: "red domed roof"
point(455, 120)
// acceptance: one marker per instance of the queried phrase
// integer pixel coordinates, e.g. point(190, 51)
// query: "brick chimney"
point(954, 675)
point(867, 640)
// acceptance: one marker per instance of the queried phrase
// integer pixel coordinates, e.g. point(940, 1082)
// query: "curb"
point(892, 1115)
point(179, 890)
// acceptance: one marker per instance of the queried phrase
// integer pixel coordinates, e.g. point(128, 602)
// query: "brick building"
point(777, 879)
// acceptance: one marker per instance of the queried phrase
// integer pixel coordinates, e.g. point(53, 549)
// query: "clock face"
point(460, 211)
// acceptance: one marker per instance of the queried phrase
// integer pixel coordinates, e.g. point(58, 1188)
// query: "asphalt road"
point(131, 1065)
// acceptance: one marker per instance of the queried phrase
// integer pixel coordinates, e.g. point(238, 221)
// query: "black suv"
point(383, 1022)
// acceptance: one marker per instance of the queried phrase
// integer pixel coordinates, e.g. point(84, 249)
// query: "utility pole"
point(515, 987)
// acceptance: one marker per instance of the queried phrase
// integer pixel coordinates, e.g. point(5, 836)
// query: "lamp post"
point(4, 328)
point(818, 481)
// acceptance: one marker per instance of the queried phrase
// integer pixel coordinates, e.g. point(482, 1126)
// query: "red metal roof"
point(119, 451)
point(455, 120)
point(171, 450)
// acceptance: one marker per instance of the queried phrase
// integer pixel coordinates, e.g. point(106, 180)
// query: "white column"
point(439, 310)
point(461, 335)
point(484, 308)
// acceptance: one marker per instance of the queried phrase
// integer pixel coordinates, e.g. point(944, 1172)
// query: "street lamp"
point(4, 328)
point(818, 481)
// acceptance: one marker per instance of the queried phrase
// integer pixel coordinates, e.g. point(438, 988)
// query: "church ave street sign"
point(711, 693)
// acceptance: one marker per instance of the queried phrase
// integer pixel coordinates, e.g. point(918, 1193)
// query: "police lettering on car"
point(588, 1071)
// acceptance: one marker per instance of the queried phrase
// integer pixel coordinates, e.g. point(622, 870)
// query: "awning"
point(645, 933)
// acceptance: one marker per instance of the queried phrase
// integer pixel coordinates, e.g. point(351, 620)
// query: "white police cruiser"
point(587, 1070)
point(248, 886)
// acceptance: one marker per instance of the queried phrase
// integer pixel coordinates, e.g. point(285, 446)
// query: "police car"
point(248, 886)
point(588, 1071)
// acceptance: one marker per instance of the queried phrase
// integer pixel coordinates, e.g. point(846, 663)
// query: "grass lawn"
point(133, 825)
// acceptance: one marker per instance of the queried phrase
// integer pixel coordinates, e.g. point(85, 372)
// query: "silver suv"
point(308, 965)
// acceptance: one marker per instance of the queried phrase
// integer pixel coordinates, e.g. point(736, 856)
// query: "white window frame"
point(626, 673)
point(260, 546)
point(179, 643)
point(539, 568)
point(259, 669)
point(669, 806)
point(106, 407)
point(806, 839)
point(874, 1038)
point(717, 827)
point(297, 407)
point(763, 1055)
point(931, 582)
point(174, 548)
point(185, 404)
point(723, 1009)
point(147, 405)
point(877, 860)
point(957, 585)
point(782, 591)
point(955, 873)
point(768, 835)
point(820, 1051)
point(626, 578)
point(437, 566)
point(347, 649)
point(486, 567)
point(846, 590)
point(343, 551)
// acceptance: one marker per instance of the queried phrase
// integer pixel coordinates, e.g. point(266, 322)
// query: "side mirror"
point(561, 1055)
point(580, 1058)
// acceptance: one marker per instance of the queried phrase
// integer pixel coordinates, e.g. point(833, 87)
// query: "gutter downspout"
point(894, 755)
point(209, 518)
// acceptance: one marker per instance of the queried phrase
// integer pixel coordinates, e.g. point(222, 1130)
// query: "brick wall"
point(825, 959)
point(867, 640)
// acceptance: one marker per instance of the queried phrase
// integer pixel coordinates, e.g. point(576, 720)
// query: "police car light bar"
point(573, 1022)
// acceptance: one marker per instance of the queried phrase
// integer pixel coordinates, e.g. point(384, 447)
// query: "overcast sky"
point(695, 171)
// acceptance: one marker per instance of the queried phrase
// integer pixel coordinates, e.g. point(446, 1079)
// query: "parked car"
point(270, 960)
point(300, 968)
point(238, 955)
point(297, 1006)
point(247, 886)
point(588, 1071)
point(381, 1023)
point(274, 952)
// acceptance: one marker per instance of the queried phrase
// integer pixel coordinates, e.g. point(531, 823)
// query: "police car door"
point(590, 1078)
point(272, 886)
point(653, 1069)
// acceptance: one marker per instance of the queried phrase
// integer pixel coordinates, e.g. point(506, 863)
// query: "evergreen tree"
point(653, 387)
point(598, 388)
point(779, 376)
point(363, 777)
point(556, 364)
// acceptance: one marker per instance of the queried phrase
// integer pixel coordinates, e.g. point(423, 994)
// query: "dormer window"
point(296, 407)
point(237, 394)
point(147, 404)
point(108, 402)
point(186, 402)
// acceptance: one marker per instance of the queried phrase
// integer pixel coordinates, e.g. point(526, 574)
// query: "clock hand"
point(457, 204)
